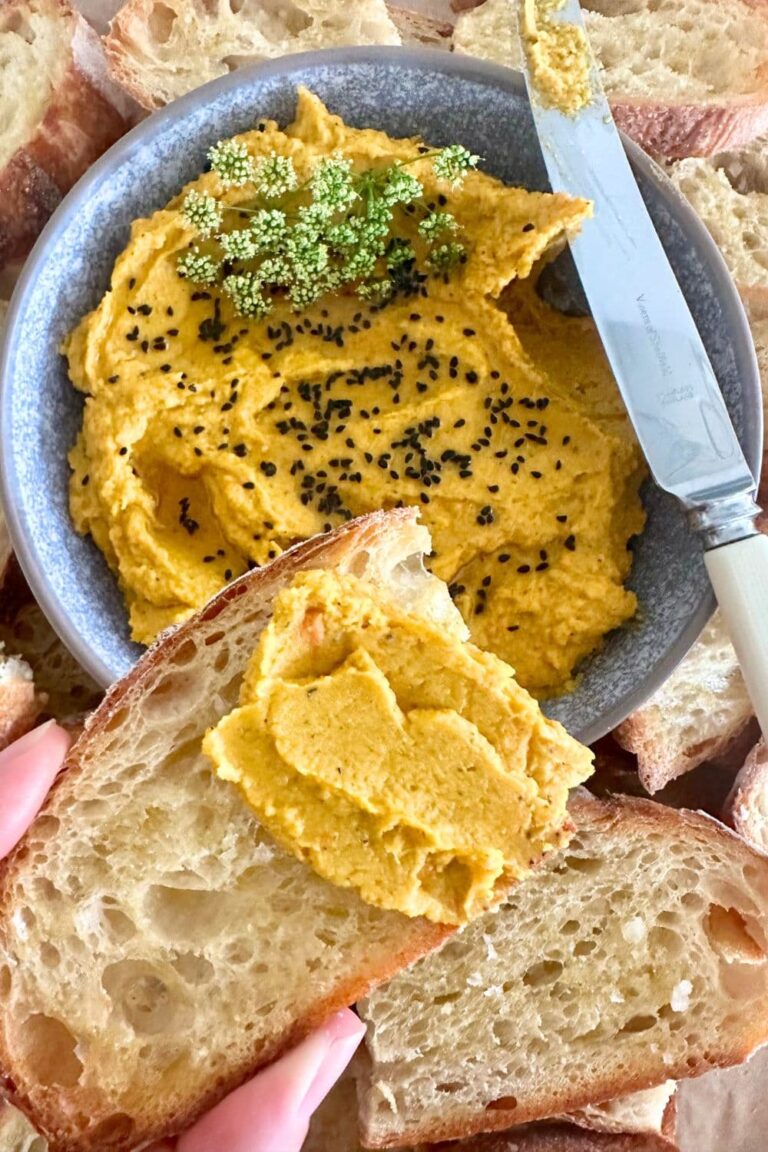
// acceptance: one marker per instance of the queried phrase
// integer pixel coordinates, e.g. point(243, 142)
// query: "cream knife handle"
point(739, 575)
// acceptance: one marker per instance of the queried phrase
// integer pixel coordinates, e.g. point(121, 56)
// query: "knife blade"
point(661, 366)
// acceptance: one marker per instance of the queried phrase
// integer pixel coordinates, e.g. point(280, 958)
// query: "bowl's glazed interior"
point(446, 99)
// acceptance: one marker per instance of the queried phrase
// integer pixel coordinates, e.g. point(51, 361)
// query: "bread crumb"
point(634, 930)
point(386, 1092)
point(263, 854)
point(20, 924)
point(475, 980)
point(13, 668)
point(616, 997)
point(680, 999)
point(489, 947)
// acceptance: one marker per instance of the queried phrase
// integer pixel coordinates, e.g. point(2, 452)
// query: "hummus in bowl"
point(213, 441)
point(657, 593)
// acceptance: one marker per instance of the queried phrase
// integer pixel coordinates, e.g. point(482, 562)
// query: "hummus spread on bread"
point(210, 442)
point(391, 755)
point(558, 56)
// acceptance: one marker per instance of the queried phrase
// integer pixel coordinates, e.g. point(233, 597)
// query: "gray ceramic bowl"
point(446, 99)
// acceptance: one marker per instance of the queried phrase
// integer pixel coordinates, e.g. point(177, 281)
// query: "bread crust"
point(346, 544)
point(656, 766)
point(674, 131)
point(417, 28)
point(86, 114)
point(746, 807)
point(564, 1138)
point(608, 816)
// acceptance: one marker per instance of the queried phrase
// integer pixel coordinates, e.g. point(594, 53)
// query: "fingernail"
point(25, 743)
point(343, 1033)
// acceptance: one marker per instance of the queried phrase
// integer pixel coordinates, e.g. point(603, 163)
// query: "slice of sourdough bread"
point(160, 49)
point(695, 715)
point(684, 77)
point(638, 954)
point(59, 110)
point(334, 1127)
point(156, 947)
point(746, 808)
point(730, 193)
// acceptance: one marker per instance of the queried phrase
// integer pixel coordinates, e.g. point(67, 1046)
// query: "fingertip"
point(344, 1025)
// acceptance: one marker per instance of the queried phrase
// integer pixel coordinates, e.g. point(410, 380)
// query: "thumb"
point(271, 1113)
point(27, 770)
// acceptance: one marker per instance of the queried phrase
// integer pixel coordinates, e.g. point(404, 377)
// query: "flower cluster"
point(335, 229)
point(232, 163)
point(453, 163)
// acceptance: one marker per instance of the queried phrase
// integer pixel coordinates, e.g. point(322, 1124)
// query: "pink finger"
point(271, 1112)
point(27, 769)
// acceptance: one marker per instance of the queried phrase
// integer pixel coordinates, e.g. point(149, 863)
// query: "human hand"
point(271, 1112)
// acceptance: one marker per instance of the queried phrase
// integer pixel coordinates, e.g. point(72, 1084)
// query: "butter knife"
point(663, 372)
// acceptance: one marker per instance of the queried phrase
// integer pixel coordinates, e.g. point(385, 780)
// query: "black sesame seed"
point(524, 568)
point(570, 543)
point(268, 468)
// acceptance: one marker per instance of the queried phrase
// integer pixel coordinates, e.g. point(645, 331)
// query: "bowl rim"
point(409, 59)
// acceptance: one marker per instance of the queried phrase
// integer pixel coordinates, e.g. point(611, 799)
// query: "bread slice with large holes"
point(645, 1119)
point(730, 193)
point(160, 49)
point(638, 954)
point(156, 947)
point(683, 77)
